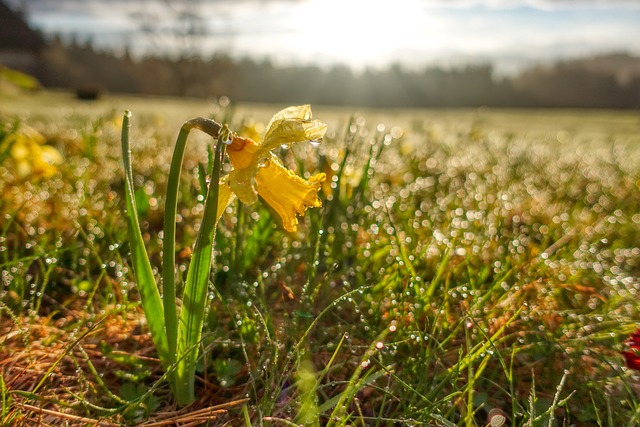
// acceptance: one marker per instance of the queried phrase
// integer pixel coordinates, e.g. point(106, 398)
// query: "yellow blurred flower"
point(30, 155)
point(256, 171)
point(252, 129)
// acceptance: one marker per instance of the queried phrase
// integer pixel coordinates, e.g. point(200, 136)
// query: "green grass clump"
point(18, 79)
point(454, 274)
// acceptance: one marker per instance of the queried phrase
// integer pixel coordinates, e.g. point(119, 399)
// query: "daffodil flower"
point(257, 172)
point(31, 156)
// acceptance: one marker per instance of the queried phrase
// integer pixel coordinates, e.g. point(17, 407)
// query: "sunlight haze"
point(357, 33)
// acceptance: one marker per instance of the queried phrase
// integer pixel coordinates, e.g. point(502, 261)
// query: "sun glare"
point(359, 32)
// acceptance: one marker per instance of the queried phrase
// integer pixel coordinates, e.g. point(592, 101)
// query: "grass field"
point(467, 268)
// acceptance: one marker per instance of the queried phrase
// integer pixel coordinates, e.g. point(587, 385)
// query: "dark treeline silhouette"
point(609, 81)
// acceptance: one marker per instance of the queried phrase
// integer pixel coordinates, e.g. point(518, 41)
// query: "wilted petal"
point(302, 112)
point(288, 194)
point(291, 125)
point(289, 131)
point(257, 172)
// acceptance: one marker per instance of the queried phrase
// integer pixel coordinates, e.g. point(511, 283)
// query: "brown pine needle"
point(197, 416)
point(70, 417)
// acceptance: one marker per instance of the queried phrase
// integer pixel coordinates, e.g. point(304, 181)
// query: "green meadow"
point(467, 268)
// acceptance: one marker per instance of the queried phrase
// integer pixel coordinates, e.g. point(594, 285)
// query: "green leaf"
point(170, 212)
point(146, 283)
point(142, 202)
point(195, 292)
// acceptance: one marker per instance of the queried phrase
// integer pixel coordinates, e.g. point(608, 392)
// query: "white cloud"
point(538, 4)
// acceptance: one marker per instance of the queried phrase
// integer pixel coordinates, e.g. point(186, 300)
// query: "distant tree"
point(583, 83)
point(571, 84)
point(176, 30)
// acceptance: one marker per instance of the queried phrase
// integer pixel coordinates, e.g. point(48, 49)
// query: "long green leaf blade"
point(147, 286)
point(169, 242)
point(195, 293)
point(169, 234)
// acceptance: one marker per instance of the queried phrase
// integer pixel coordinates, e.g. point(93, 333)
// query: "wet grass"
point(466, 266)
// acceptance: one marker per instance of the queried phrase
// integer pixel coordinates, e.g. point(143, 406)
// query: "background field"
point(466, 264)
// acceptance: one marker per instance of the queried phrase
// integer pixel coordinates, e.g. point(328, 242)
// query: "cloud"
point(538, 4)
point(126, 6)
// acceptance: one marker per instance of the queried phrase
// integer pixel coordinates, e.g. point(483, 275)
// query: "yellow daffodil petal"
point(249, 158)
point(289, 131)
point(28, 133)
point(225, 196)
point(51, 155)
point(242, 152)
point(244, 156)
point(45, 160)
point(31, 156)
point(288, 194)
point(302, 112)
point(23, 169)
point(243, 184)
point(293, 124)
point(20, 150)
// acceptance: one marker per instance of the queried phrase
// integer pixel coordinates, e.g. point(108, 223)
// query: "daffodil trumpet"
point(256, 173)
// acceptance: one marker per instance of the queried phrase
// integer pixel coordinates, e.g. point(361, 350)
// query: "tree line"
point(610, 81)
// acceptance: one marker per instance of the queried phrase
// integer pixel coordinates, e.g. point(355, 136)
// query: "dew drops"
point(263, 163)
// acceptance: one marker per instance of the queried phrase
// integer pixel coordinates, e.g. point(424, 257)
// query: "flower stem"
point(196, 287)
point(169, 241)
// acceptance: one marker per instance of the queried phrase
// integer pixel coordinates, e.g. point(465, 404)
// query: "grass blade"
point(169, 242)
point(195, 293)
point(147, 286)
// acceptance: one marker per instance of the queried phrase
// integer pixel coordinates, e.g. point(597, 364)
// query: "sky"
point(510, 34)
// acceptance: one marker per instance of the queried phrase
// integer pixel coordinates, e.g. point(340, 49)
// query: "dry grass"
point(502, 247)
point(48, 365)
